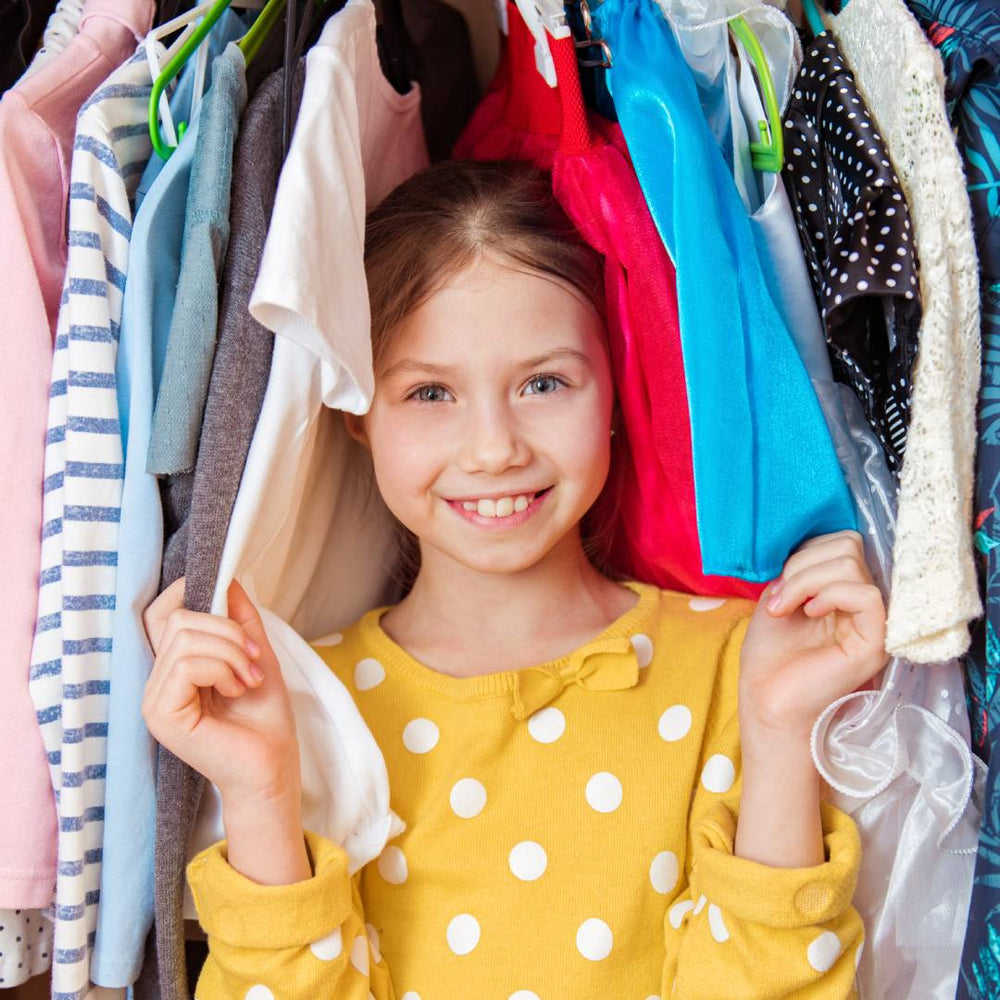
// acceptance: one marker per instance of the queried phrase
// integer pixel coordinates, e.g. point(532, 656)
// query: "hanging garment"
point(184, 386)
point(648, 503)
point(934, 593)
point(766, 475)
point(37, 123)
point(83, 479)
point(445, 69)
point(885, 753)
point(21, 26)
point(621, 871)
point(25, 946)
point(61, 28)
point(308, 537)
point(967, 36)
point(187, 368)
point(855, 228)
point(126, 909)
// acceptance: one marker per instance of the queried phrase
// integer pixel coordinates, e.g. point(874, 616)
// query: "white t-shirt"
point(310, 538)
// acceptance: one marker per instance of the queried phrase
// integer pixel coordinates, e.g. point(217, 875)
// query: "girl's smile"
point(503, 514)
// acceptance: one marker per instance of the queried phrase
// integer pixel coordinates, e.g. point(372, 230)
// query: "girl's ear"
point(355, 425)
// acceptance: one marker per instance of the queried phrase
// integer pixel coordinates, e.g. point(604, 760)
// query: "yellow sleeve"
point(743, 930)
point(286, 942)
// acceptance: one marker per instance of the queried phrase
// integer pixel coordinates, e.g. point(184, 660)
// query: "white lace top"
point(933, 592)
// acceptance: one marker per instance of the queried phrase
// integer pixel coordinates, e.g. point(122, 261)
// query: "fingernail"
point(776, 586)
point(774, 603)
point(252, 648)
point(256, 673)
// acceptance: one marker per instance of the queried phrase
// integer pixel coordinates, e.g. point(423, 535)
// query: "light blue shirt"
point(126, 906)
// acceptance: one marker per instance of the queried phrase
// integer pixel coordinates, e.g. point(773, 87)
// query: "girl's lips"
point(500, 523)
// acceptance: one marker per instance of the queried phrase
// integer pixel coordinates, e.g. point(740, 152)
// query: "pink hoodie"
point(37, 127)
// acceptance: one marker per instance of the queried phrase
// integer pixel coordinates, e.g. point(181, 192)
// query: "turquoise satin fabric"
point(766, 473)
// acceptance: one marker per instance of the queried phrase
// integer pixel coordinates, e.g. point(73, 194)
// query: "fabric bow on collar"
point(601, 665)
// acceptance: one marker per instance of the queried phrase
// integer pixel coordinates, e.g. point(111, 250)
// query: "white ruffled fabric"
point(934, 593)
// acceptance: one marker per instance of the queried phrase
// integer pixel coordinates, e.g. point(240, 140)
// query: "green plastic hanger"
point(249, 44)
point(769, 153)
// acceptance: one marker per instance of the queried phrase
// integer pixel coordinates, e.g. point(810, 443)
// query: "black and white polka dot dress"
point(856, 235)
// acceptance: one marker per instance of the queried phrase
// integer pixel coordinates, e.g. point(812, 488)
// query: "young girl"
point(570, 753)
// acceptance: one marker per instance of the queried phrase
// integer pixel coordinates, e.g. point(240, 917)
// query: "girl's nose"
point(493, 442)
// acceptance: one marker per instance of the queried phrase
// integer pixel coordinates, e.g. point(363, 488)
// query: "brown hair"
point(440, 222)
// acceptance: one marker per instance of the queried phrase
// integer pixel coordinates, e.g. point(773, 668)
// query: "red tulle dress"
point(648, 505)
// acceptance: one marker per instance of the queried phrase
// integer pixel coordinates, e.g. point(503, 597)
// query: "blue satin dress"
point(766, 473)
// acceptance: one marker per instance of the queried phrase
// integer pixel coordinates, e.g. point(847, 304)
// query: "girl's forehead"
point(496, 310)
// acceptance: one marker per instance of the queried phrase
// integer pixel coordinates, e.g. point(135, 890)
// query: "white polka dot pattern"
point(368, 673)
point(328, 948)
point(546, 725)
point(824, 951)
point(359, 954)
point(528, 860)
point(421, 736)
point(854, 226)
point(258, 992)
point(663, 872)
point(594, 939)
point(676, 913)
point(463, 933)
point(373, 942)
point(718, 774)
point(716, 924)
point(706, 603)
point(604, 792)
point(675, 723)
point(643, 647)
point(468, 798)
point(392, 865)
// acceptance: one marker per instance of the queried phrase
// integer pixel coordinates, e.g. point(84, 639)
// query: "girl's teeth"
point(503, 507)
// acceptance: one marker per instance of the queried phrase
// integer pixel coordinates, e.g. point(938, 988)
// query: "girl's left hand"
point(818, 633)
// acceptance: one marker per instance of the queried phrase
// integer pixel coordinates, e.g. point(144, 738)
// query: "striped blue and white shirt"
point(83, 486)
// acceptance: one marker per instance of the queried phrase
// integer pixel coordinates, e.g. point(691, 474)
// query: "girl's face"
point(490, 425)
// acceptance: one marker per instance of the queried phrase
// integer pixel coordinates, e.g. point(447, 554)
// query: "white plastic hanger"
point(157, 55)
point(543, 18)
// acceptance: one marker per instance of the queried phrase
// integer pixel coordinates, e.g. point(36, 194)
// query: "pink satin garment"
point(648, 504)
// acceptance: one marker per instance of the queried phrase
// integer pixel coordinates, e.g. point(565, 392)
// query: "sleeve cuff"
point(240, 912)
point(776, 897)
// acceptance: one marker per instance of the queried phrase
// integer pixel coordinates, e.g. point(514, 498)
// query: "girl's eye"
point(544, 384)
point(432, 393)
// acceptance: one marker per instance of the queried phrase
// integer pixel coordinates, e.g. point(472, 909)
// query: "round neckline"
point(499, 682)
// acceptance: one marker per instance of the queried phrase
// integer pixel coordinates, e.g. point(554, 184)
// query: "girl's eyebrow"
point(415, 365)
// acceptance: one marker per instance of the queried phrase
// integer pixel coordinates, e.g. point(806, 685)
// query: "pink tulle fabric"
point(647, 507)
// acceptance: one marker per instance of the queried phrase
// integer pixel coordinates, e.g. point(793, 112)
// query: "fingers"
point(792, 590)
point(193, 672)
point(183, 621)
point(190, 635)
point(243, 611)
point(863, 601)
point(841, 544)
point(154, 618)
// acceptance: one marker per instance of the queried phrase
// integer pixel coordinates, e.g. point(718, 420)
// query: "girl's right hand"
point(217, 700)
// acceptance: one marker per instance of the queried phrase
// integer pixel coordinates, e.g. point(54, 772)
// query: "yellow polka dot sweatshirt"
point(569, 836)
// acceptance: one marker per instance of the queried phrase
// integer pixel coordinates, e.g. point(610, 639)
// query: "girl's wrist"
point(265, 839)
